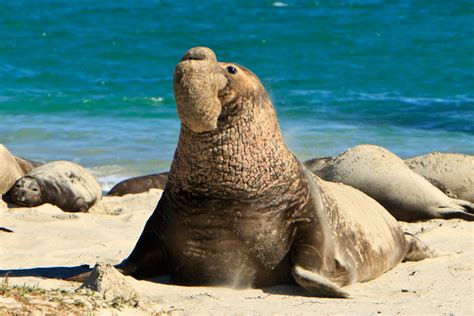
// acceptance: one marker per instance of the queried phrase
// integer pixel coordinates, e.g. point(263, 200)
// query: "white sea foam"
point(280, 4)
point(151, 100)
point(110, 175)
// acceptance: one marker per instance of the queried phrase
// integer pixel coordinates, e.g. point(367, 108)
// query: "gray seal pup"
point(451, 173)
point(240, 210)
point(385, 177)
point(10, 171)
point(139, 184)
point(62, 183)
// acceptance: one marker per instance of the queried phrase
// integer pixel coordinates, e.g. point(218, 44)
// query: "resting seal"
point(139, 184)
point(239, 209)
point(10, 171)
point(385, 177)
point(451, 173)
point(62, 183)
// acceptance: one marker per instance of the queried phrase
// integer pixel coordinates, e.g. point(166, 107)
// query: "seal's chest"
point(227, 248)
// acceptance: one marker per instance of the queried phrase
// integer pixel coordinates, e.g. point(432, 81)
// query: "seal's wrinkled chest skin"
point(248, 243)
point(240, 210)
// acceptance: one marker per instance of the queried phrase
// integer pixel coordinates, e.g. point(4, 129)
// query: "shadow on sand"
point(68, 272)
point(47, 272)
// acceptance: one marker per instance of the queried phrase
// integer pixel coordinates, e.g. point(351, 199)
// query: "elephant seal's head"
point(208, 93)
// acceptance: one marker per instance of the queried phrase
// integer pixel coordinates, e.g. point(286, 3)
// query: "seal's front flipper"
point(148, 259)
point(316, 284)
point(80, 206)
point(457, 209)
point(416, 249)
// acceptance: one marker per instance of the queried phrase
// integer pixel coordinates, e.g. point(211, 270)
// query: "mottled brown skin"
point(31, 192)
point(61, 183)
point(140, 184)
point(239, 209)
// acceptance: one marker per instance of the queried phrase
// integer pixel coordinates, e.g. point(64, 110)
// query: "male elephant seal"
point(239, 209)
point(139, 184)
point(451, 173)
point(385, 177)
point(10, 171)
point(62, 183)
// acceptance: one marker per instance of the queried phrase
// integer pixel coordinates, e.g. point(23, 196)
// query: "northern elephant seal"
point(451, 173)
point(139, 184)
point(240, 210)
point(10, 171)
point(62, 183)
point(385, 177)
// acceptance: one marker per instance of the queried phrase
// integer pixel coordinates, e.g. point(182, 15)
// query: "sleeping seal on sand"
point(451, 173)
point(240, 210)
point(62, 183)
point(385, 177)
point(140, 184)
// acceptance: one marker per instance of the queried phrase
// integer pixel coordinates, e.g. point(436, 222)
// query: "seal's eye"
point(232, 70)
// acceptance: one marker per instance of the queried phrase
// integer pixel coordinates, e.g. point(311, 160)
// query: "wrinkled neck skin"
point(244, 157)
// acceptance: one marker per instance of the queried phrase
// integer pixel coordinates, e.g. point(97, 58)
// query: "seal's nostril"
point(200, 53)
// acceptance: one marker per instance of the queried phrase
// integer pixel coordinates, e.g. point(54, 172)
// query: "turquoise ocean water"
point(91, 81)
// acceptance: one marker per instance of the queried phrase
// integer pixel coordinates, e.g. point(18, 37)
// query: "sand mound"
point(106, 280)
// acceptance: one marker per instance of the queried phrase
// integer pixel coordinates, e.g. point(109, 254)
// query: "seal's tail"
point(416, 250)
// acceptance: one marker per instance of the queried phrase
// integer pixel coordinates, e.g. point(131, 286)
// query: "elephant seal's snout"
point(198, 78)
point(200, 53)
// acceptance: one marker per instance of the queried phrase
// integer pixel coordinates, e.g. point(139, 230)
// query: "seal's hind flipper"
point(457, 209)
point(316, 284)
point(466, 205)
point(416, 249)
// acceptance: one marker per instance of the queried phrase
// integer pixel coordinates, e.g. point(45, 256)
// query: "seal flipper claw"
point(316, 284)
point(416, 250)
point(468, 206)
point(458, 209)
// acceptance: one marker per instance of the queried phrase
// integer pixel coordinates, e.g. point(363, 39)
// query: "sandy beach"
point(47, 244)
